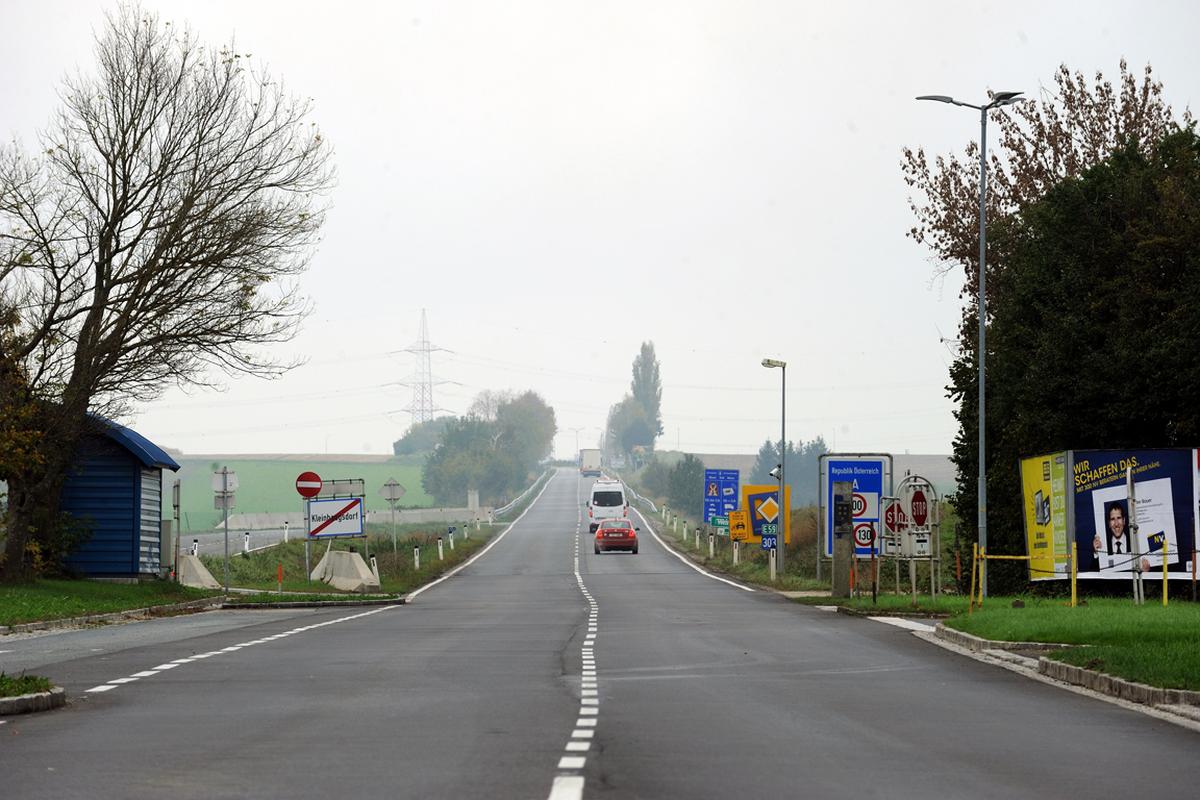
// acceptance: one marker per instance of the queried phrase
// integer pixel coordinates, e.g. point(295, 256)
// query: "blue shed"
point(115, 490)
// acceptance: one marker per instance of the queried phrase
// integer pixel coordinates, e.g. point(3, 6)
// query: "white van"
point(607, 502)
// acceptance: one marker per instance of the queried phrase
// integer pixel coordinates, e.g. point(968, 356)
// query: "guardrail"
point(645, 500)
point(499, 512)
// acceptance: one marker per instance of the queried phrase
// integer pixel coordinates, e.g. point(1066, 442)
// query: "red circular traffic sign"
point(920, 508)
point(864, 534)
point(309, 484)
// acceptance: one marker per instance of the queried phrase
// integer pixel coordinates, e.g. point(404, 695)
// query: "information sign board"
point(762, 504)
point(720, 492)
point(739, 526)
point(329, 518)
point(871, 477)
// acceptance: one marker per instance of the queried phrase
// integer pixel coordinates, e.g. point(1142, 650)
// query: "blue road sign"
point(769, 541)
point(721, 492)
point(872, 478)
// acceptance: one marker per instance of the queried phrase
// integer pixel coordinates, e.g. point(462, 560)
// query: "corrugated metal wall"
point(100, 493)
point(150, 551)
point(118, 500)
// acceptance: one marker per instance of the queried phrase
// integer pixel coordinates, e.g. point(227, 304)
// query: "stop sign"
point(920, 508)
point(893, 518)
point(309, 484)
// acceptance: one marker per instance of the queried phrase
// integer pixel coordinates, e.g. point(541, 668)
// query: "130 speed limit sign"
point(864, 534)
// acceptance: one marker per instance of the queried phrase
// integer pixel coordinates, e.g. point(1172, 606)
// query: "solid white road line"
point(413, 595)
point(687, 561)
point(908, 624)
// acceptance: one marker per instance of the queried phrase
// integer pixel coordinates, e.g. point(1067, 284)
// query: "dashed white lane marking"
point(901, 622)
point(685, 560)
point(161, 668)
point(568, 785)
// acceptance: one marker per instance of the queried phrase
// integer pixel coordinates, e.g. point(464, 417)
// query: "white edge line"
point(412, 595)
point(685, 559)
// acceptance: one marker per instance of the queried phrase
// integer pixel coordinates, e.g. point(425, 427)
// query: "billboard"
point(1165, 492)
point(1044, 488)
point(1098, 518)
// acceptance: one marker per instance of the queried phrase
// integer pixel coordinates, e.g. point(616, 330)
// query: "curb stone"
point(978, 644)
point(29, 703)
point(1132, 691)
point(115, 616)
point(396, 601)
point(1187, 702)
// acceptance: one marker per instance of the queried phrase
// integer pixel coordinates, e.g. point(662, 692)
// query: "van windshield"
point(608, 499)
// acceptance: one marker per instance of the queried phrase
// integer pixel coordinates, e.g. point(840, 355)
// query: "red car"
point(616, 534)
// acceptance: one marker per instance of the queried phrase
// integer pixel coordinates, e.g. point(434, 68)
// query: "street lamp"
point(781, 531)
point(998, 99)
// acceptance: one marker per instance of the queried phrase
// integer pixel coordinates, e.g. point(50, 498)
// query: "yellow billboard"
point(739, 526)
point(1044, 493)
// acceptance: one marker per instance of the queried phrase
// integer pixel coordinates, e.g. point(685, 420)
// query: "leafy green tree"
point(1094, 325)
point(1072, 128)
point(685, 486)
point(647, 389)
point(629, 426)
point(527, 426)
point(421, 437)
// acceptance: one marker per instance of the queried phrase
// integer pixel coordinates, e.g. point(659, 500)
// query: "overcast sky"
point(556, 182)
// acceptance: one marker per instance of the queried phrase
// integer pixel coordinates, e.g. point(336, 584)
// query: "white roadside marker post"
point(417, 558)
point(246, 543)
point(711, 544)
point(441, 554)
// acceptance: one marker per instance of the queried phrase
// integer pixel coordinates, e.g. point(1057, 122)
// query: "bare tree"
point(156, 235)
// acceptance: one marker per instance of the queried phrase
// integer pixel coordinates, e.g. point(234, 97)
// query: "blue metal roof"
point(144, 450)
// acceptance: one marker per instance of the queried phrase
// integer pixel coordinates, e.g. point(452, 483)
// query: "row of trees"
point(636, 420)
point(495, 447)
point(1093, 266)
point(801, 467)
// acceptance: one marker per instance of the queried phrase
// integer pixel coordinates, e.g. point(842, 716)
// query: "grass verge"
point(1149, 644)
point(45, 600)
point(398, 572)
point(15, 686)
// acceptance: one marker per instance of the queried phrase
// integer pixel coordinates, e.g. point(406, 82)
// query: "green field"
point(269, 485)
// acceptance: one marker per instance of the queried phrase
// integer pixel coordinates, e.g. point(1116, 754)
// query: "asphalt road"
point(543, 667)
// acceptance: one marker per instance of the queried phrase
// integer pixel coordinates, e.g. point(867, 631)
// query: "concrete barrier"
point(295, 519)
point(193, 573)
point(346, 571)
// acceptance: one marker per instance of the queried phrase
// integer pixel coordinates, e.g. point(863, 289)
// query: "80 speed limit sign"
point(864, 534)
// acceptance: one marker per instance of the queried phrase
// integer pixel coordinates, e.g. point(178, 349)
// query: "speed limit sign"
point(864, 534)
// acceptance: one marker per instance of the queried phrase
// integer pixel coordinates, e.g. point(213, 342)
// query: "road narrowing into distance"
point(568, 783)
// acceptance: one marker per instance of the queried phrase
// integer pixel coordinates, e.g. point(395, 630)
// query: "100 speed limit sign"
point(864, 534)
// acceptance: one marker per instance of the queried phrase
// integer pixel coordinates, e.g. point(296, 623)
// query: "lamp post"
point(781, 531)
point(998, 99)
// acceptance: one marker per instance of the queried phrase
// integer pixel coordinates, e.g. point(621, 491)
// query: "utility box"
point(843, 542)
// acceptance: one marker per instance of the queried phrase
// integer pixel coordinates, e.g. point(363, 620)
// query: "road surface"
point(544, 670)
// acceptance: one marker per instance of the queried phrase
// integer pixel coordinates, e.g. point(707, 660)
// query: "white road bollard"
point(417, 558)
point(195, 546)
point(697, 537)
point(246, 543)
point(441, 554)
point(374, 565)
point(450, 536)
point(675, 522)
point(711, 544)
point(736, 548)
point(285, 532)
point(771, 562)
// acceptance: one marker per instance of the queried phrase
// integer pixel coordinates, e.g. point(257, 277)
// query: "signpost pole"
point(225, 505)
point(175, 501)
point(307, 543)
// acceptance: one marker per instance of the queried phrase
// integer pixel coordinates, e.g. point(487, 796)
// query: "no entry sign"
point(308, 484)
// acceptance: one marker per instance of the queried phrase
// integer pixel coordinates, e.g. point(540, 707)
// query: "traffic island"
point(35, 701)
